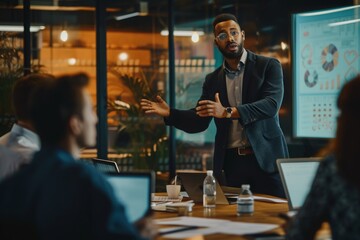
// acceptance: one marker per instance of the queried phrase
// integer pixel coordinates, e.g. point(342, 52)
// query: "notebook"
point(193, 185)
point(105, 165)
point(133, 190)
point(297, 175)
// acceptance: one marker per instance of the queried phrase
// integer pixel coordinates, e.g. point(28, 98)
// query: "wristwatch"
point(228, 112)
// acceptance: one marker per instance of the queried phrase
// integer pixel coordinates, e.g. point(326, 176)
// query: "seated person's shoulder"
point(86, 175)
point(87, 170)
point(328, 162)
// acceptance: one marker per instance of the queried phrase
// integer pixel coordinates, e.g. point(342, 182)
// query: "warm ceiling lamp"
point(19, 28)
point(142, 10)
point(64, 36)
point(123, 56)
point(195, 37)
point(183, 33)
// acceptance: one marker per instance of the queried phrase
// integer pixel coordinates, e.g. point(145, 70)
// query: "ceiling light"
point(121, 17)
point(195, 37)
point(123, 56)
point(182, 33)
point(19, 28)
point(72, 61)
point(283, 46)
point(142, 10)
point(64, 35)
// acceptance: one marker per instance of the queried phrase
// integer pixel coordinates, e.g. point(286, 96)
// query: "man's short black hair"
point(54, 104)
point(22, 93)
point(222, 18)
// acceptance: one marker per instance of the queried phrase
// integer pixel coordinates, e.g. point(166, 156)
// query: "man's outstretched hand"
point(159, 107)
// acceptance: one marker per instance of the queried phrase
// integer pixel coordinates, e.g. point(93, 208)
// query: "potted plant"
point(11, 69)
point(146, 132)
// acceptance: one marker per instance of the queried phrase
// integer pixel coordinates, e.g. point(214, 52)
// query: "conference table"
point(265, 212)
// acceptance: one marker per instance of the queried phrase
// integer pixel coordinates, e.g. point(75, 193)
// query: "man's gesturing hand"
point(160, 107)
point(208, 108)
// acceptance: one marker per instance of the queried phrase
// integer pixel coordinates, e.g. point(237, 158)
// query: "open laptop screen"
point(193, 184)
point(297, 175)
point(105, 165)
point(133, 190)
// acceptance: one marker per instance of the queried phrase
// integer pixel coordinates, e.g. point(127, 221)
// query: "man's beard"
point(232, 55)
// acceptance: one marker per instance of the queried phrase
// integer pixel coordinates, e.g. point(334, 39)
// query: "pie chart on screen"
point(329, 57)
point(311, 78)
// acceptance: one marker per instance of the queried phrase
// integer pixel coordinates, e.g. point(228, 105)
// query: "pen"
point(179, 230)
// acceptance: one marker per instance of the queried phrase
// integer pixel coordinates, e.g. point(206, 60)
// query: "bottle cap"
point(209, 172)
point(245, 186)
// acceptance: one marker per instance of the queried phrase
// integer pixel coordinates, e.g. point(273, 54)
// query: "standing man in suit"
point(243, 96)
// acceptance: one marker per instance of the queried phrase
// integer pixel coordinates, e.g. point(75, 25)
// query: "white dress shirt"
point(9, 162)
point(23, 143)
point(234, 86)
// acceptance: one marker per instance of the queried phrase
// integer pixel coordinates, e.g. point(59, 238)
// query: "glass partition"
point(63, 40)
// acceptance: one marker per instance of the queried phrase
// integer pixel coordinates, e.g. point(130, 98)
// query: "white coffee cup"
point(173, 191)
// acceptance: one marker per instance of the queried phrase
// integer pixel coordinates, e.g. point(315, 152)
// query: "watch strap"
point(228, 112)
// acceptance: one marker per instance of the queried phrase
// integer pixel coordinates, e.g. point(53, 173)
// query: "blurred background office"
point(126, 49)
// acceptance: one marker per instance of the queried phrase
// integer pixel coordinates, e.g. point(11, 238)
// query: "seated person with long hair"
point(335, 194)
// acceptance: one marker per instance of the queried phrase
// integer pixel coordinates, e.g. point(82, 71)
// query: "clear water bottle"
point(245, 201)
point(209, 190)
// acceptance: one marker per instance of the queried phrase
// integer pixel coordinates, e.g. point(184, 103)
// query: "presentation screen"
point(326, 47)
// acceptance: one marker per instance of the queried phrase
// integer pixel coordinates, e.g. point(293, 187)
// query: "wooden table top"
point(264, 213)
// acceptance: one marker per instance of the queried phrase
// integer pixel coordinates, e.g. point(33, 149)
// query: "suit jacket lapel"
point(222, 88)
point(249, 65)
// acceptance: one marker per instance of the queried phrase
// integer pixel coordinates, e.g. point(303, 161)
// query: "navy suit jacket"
point(261, 100)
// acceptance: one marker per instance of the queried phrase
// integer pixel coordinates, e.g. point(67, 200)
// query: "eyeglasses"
point(223, 36)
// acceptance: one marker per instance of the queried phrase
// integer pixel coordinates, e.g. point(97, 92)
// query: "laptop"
point(193, 185)
point(105, 166)
point(297, 175)
point(133, 190)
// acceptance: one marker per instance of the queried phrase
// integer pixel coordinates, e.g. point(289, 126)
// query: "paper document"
point(155, 198)
point(163, 231)
point(213, 226)
point(191, 233)
point(172, 207)
point(191, 221)
point(242, 228)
